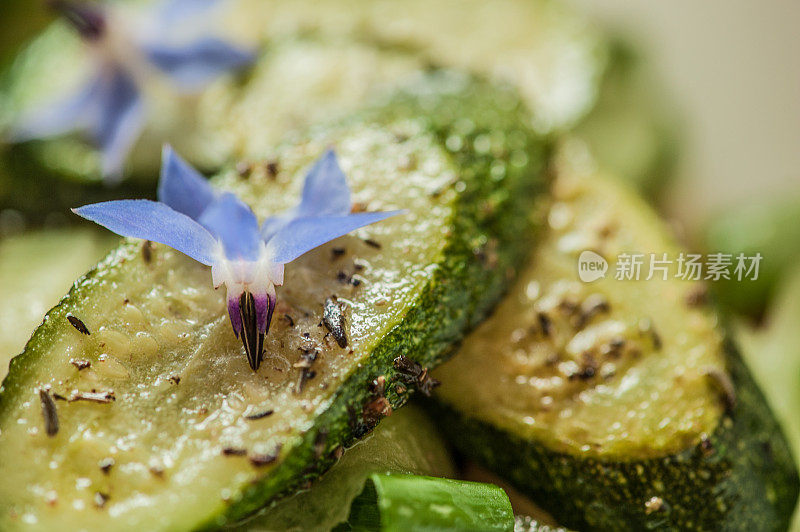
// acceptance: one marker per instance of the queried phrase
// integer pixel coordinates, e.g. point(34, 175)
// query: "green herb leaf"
point(393, 501)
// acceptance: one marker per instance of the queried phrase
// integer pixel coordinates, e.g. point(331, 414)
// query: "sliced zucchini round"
point(616, 404)
point(160, 422)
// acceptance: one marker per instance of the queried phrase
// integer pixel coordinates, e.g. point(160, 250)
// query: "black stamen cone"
point(85, 18)
point(252, 338)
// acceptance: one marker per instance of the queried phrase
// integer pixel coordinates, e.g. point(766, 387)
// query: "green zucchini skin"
point(460, 293)
point(741, 478)
point(495, 193)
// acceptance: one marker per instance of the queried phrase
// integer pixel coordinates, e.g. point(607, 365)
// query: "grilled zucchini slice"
point(160, 386)
point(616, 404)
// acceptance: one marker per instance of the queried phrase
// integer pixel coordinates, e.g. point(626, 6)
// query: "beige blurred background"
point(733, 67)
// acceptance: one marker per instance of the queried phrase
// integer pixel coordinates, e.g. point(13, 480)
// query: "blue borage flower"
point(109, 107)
point(219, 230)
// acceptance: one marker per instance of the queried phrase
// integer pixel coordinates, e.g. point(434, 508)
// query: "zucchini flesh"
point(616, 404)
point(36, 268)
point(185, 453)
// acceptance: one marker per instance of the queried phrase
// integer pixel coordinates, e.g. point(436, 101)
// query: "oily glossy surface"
point(161, 343)
point(607, 368)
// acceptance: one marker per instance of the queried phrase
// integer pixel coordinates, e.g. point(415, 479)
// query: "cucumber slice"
point(405, 442)
point(616, 404)
point(182, 390)
point(36, 269)
point(321, 58)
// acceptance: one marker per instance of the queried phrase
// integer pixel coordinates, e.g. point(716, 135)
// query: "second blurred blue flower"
point(109, 107)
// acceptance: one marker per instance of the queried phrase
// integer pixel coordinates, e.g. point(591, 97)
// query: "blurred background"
point(733, 71)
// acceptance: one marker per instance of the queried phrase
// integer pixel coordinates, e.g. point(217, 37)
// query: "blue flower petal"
point(154, 221)
point(304, 234)
point(235, 225)
point(119, 120)
point(182, 187)
point(61, 118)
point(273, 224)
point(172, 12)
point(325, 193)
point(198, 63)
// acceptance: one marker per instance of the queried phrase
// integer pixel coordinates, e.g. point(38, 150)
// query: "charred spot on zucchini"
point(424, 288)
point(639, 416)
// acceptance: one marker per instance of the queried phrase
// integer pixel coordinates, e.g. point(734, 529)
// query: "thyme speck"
point(147, 251)
point(92, 397)
point(78, 324)
point(233, 451)
point(100, 499)
point(333, 318)
point(260, 415)
point(49, 412)
point(80, 363)
point(413, 373)
point(106, 464)
point(260, 460)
